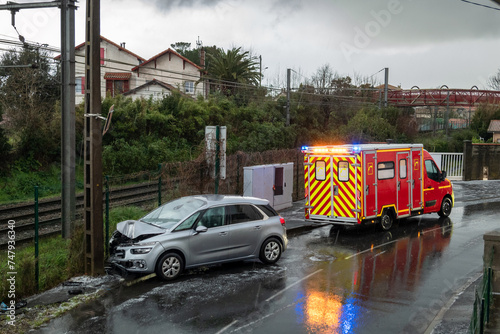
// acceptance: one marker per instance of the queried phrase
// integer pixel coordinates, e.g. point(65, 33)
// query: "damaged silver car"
point(199, 230)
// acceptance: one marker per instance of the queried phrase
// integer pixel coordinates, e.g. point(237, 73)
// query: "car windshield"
point(169, 214)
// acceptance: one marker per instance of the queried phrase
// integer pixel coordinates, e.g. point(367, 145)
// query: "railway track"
point(49, 211)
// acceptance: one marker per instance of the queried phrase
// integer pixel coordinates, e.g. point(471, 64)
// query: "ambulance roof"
point(351, 148)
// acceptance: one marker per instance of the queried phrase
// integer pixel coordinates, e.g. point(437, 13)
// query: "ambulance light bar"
point(331, 149)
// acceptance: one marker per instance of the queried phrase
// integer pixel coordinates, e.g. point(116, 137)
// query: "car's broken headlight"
point(143, 249)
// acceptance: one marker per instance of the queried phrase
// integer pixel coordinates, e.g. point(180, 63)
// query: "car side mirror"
point(201, 229)
point(443, 176)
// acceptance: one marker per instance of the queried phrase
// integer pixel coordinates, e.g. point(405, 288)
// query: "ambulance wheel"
point(386, 220)
point(446, 206)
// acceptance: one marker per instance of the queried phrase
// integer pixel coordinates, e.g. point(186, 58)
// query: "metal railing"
point(482, 301)
point(452, 163)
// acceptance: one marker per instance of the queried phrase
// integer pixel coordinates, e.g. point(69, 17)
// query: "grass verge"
point(59, 259)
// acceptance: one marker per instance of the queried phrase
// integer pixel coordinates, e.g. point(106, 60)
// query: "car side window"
point(188, 223)
point(213, 217)
point(243, 213)
point(268, 210)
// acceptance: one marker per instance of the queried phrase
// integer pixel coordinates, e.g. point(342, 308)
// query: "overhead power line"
point(479, 4)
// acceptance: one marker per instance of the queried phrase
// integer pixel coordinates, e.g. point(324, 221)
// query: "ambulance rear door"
point(332, 186)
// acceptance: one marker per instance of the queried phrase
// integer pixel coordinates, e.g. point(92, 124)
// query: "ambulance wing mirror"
point(443, 176)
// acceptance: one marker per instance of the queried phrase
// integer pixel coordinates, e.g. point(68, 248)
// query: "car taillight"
point(282, 221)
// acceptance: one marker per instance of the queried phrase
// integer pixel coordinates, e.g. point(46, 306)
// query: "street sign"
point(215, 137)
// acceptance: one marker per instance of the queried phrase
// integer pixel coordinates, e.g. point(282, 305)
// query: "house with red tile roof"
point(116, 65)
point(494, 128)
point(125, 72)
point(171, 68)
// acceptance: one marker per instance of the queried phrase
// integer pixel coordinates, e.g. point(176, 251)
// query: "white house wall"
point(154, 91)
point(172, 71)
point(122, 61)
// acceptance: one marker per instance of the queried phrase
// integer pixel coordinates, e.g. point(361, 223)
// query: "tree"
point(232, 70)
point(184, 49)
point(4, 144)
point(481, 119)
point(29, 90)
point(494, 81)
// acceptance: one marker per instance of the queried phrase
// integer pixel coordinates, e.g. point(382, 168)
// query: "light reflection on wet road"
point(328, 281)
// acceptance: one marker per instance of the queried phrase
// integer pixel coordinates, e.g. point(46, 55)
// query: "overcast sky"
point(424, 43)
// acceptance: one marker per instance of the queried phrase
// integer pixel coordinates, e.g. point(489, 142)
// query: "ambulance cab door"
point(403, 184)
point(370, 184)
point(320, 187)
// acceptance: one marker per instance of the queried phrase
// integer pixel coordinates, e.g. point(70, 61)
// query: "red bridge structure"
point(416, 97)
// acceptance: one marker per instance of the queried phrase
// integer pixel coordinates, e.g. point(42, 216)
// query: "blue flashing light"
point(356, 149)
point(304, 148)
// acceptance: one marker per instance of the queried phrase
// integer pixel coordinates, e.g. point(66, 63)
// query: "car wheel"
point(445, 207)
point(169, 267)
point(386, 221)
point(270, 252)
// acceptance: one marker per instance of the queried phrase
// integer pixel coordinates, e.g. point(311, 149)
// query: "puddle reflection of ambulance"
point(369, 183)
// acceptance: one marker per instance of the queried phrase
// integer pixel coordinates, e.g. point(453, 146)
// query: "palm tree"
point(232, 70)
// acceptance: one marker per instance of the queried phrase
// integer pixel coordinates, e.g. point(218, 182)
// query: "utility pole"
point(68, 202)
point(68, 8)
point(260, 70)
point(288, 75)
point(386, 86)
point(94, 235)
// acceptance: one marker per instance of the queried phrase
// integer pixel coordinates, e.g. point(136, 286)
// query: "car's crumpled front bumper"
point(139, 258)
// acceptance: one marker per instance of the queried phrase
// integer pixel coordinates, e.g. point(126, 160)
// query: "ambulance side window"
point(432, 170)
point(385, 170)
point(402, 169)
point(343, 170)
point(320, 170)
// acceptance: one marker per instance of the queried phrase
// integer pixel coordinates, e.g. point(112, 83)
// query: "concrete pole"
point(68, 116)
point(288, 75)
point(93, 213)
point(386, 86)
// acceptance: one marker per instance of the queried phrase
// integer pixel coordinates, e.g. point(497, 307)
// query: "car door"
point(245, 229)
point(211, 245)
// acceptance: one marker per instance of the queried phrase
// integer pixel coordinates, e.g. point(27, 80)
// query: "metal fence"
point(482, 301)
point(452, 163)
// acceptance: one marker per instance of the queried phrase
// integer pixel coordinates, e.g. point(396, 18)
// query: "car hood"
point(135, 228)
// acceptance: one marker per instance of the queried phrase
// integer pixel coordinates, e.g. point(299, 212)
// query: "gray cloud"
point(167, 5)
point(407, 22)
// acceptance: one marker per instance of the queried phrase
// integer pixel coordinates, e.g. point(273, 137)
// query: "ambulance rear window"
point(343, 170)
point(320, 170)
point(385, 170)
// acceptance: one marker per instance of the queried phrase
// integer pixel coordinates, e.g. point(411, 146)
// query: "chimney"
point(122, 44)
point(202, 58)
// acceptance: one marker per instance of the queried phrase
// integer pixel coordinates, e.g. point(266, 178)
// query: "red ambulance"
point(370, 183)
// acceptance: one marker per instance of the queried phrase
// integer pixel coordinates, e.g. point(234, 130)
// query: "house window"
point(80, 85)
point(189, 87)
point(115, 87)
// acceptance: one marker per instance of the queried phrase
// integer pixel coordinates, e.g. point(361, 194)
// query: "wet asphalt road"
point(328, 281)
